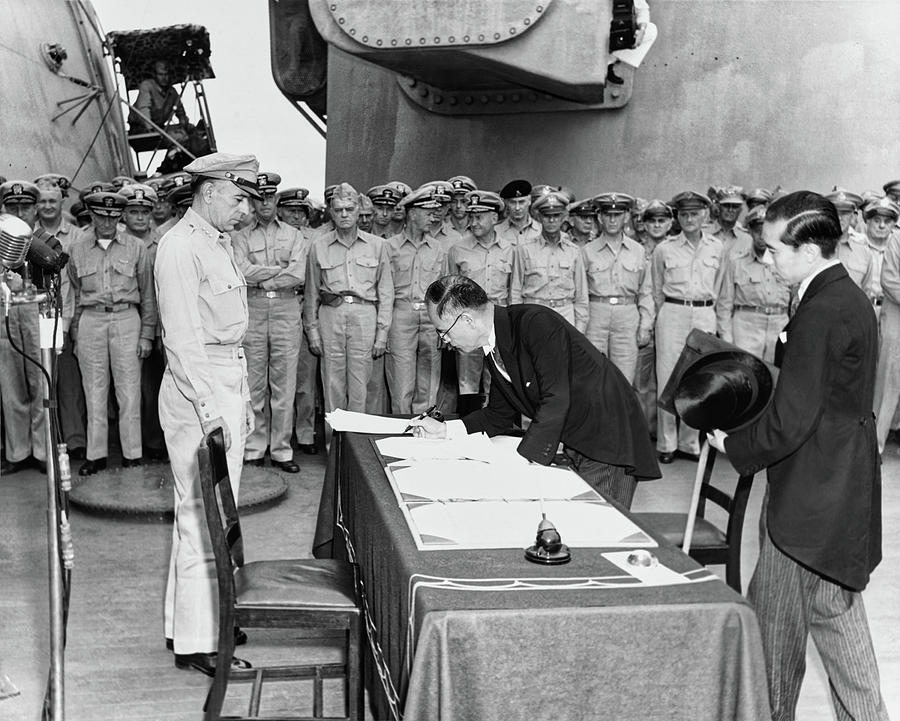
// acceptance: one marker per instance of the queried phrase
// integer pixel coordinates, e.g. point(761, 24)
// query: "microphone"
point(43, 256)
point(15, 240)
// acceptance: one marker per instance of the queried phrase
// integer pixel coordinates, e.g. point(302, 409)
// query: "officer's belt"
point(411, 304)
point(114, 308)
point(765, 309)
point(257, 292)
point(692, 303)
point(551, 302)
point(226, 352)
point(614, 299)
point(335, 299)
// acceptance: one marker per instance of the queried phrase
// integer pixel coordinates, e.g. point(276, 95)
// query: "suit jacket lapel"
point(503, 334)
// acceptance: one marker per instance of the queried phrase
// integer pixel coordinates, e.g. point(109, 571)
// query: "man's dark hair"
point(812, 218)
point(454, 294)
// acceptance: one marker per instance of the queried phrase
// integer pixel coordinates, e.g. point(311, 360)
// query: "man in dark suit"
point(542, 368)
point(820, 531)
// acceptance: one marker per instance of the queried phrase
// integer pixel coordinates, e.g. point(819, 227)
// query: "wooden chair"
point(709, 545)
point(312, 595)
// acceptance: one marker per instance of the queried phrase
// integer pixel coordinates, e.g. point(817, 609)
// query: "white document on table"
point(467, 480)
point(513, 524)
point(476, 446)
point(656, 575)
point(351, 421)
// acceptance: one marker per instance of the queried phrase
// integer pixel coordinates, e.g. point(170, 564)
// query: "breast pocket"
point(750, 275)
point(332, 276)
point(564, 276)
point(226, 298)
point(708, 268)
point(365, 269)
point(89, 278)
point(598, 270)
point(678, 270)
point(122, 276)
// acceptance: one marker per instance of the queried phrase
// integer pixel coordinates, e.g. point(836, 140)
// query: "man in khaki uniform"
point(203, 310)
point(519, 227)
point(293, 207)
point(852, 249)
point(272, 256)
point(657, 220)
point(113, 326)
point(686, 276)
point(487, 259)
point(881, 220)
point(752, 307)
point(348, 303)
point(618, 279)
point(413, 360)
point(582, 221)
point(69, 389)
point(460, 187)
point(549, 271)
point(730, 203)
point(384, 199)
point(139, 205)
point(21, 383)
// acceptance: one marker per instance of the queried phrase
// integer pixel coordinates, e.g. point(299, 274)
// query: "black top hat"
point(723, 389)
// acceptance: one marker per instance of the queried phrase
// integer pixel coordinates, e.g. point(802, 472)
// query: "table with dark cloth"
point(482, 635)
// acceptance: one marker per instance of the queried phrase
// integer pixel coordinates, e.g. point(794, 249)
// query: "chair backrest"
point(221, 511)
point(734, 505)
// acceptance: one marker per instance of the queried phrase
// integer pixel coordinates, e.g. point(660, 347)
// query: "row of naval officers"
point(351, 292)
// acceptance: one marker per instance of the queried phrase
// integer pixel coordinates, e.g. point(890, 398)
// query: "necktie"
point(495, 356)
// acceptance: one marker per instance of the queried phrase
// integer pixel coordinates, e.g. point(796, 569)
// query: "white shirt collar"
point(804, 284)
point(491, 344)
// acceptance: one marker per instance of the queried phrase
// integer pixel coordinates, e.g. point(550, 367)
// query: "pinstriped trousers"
point(791, 603)
point(611, 481)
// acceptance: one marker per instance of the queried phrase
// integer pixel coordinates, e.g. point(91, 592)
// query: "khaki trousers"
point(348, 334)
point(22, 386)
point(108, 344)
point(191, 602)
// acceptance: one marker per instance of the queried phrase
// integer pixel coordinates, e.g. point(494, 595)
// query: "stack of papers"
point(353, 422)
point(500, 524)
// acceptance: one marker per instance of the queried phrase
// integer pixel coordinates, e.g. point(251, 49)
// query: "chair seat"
point(317, 583)
point(671, 527)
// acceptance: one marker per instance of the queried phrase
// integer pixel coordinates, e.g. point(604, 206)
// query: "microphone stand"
point(59, 537)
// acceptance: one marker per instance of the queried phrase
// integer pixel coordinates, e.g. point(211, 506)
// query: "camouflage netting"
point(184, 47)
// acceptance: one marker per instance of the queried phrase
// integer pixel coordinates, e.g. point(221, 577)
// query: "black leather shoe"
point(253, 461)
point(132, 462)
point(308, 448)
point(40, 465)
point(10, 467)
point(687, 456)
point(665, 456)
point(77, 453)
point(157, 454)
point(91, 467)
point(287, 466)
point(205, 662)
point(611, 76)
point(240, 638)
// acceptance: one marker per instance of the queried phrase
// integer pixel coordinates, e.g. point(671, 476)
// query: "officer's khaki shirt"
point(747, 281)
point(545, 271)
point(620, 268)
point(873, 289)
point(123, 273)
point(679, 270)
point(531, 231)
point(488, 265)
point(362, 269)
point(415, 266)
point(853, 251)
point(259, 248)
point(202, 302)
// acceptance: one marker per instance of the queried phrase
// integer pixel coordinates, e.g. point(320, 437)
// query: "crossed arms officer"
point(203, 311)
point(543, 368)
